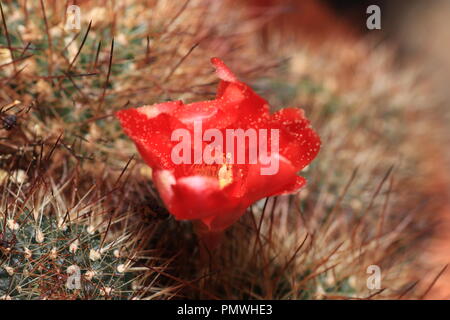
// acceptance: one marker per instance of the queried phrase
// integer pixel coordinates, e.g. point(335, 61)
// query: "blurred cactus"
point(43, 252)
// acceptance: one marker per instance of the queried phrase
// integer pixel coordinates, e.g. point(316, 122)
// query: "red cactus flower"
point(217, 194)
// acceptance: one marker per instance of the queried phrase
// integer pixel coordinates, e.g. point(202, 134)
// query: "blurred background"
point(419, 35)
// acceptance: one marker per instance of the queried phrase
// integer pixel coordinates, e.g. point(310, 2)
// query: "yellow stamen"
point(225, 173)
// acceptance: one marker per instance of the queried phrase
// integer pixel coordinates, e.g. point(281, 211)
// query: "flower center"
point(223, 173)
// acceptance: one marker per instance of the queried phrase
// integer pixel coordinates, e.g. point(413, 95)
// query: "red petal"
point(211, 113)
point(223, 221)
point(222, 70)
point(298, 141)
point(198, 197)
point(236, 95)
point(296, 186)
point(152, 136)
point(257, 186)
point(164, 180)
point(151, 111)
point(260, 186)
